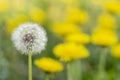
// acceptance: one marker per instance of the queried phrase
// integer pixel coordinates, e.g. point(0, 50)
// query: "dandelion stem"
point(48, 76)
point(30, 66)
point(74, 70)
point(101, 71)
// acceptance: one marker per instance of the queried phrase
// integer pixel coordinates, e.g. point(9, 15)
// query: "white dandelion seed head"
point(29, 38)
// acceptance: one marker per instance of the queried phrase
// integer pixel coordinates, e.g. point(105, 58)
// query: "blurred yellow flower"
point(63, 29)
point(78, 38)
point(75, 15)
point(13, 22)
point(104, 37)
point(4, 5)
point(100, 2)
point(70, 51)
point(18, 5)
point(55, 13)
point(116, 51)
point(97, 2)
point(71, 2)
point(106, 20)
point(37, 15)
point(49, 65)
point(112, 6)
point(68, 1)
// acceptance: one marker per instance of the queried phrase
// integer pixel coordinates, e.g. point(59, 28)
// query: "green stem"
point(30, 66)
point(48, 76)
point(74, 70)
point(117, 71)
point(102, 60)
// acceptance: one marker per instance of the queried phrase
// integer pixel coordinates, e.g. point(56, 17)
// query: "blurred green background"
point(86, 14)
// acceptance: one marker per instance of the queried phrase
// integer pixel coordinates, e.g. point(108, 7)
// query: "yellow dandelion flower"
point(116, 51)
point(112, 6)
point(13, 22)
point(4, 5)
point(37, 15)
point(70, 51)
point(107, 21)
point(49, 65)
point(104, 37)
point(75, 15)
point(78, 38)
point(63, 29)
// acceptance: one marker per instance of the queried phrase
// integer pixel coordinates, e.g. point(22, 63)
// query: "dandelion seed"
point(29, 38)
